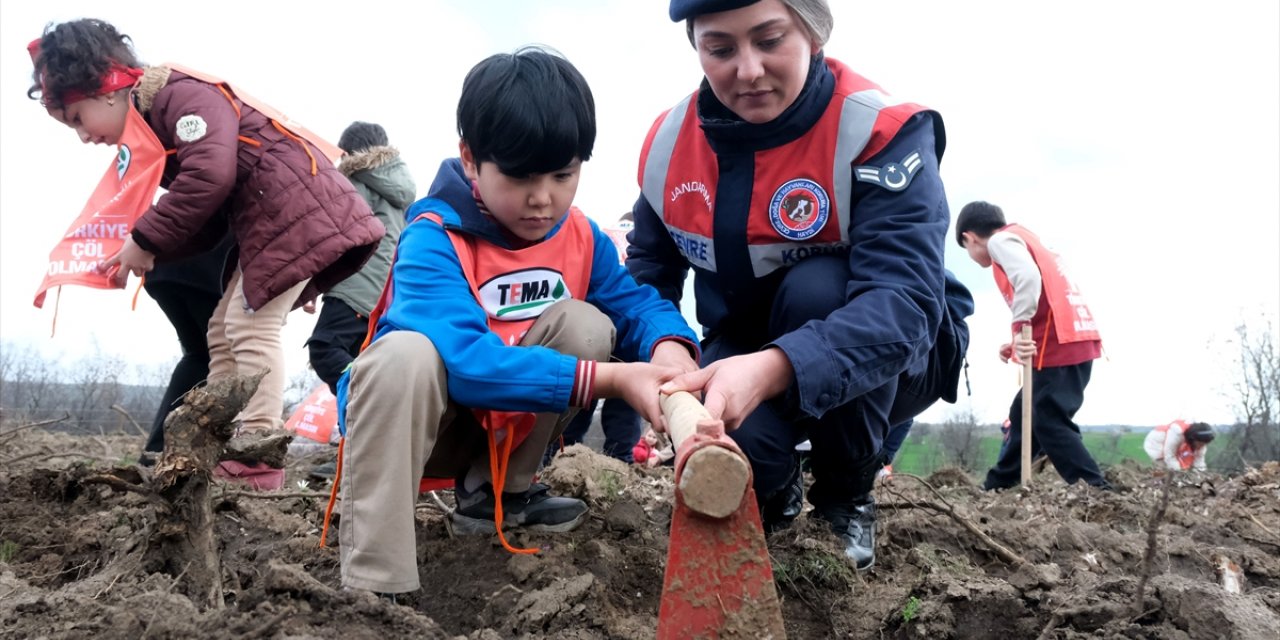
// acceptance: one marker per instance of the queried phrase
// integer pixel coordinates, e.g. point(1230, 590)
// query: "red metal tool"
point(719, 582)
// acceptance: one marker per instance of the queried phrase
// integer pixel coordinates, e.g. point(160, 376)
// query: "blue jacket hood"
point(452, 186)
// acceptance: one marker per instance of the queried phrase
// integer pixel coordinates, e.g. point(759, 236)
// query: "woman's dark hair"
point(982, 218)
point(359, 136)
point(528, 112)
point(74, 56)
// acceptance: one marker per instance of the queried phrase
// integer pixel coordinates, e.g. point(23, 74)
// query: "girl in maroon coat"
point(299, 225)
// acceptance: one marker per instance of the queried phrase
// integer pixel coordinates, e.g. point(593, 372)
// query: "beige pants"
point(244, 342)
point(401, 425)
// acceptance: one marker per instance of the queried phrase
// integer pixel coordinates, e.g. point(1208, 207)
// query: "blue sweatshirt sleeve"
point(895, 296)
point(431, 296)
point(641, 317)
point(653, 258)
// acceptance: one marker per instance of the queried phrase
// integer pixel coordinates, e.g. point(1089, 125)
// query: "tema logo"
point(122, 161)
point(524, 294)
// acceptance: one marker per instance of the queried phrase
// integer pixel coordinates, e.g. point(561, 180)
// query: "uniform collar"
point(728, 133)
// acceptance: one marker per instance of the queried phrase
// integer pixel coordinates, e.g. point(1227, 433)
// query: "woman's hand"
point(732, 388)
point(131, 258)
point(674, 354)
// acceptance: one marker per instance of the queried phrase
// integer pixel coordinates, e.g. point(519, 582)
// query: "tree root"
point(945, 507)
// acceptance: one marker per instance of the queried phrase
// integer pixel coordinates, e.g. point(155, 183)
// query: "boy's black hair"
point(528, 112)
point(982, 218)
point(1200, 432)
point(74, 56)
point(359, 136)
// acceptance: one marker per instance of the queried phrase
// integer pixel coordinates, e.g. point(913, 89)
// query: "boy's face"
point(977, 248)
point(97, 120)
point(527, 206)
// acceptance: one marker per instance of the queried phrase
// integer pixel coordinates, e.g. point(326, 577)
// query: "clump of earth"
point(72, 562)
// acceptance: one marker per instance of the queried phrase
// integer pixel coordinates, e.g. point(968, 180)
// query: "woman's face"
point(97, 120)
point(755, 58)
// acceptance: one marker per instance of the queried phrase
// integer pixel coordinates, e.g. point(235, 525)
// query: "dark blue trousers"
point(893, 441)
point(846, 440)
point(1056, 395)
point(336, 340)
point(188, 310)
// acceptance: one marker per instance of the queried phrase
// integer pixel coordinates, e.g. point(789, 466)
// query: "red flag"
point(316, 417)
point(618, 235)
point(123, 194)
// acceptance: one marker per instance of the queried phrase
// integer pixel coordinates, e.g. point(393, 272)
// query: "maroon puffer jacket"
point(290, 225)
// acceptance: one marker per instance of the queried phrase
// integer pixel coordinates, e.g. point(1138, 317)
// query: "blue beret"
point(682, 9)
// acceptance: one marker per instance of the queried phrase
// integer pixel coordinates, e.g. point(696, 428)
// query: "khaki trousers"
point(401, 426)
point(246, 342)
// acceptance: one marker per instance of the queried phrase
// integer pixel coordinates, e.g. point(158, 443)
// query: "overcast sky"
point(1141, 139)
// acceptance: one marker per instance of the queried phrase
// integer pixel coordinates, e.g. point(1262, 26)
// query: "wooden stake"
point(1026, 411)
point(714, 478)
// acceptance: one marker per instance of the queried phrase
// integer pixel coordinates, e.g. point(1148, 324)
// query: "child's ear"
point(469, 164)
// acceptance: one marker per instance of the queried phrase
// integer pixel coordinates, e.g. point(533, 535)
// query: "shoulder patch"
point(894, 176)
point(191, 128)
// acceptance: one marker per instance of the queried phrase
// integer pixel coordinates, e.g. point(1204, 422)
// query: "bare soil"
point(72, 562)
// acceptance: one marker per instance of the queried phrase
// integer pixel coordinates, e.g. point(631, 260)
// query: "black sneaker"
point(324, 471)
point(781, 507)
point(855, 525)
point(533, 509)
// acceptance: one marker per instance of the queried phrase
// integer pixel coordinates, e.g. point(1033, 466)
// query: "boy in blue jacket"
point(503, 301)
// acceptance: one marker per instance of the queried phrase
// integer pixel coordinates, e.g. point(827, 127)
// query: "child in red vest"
point(299, 225)
point(1033, 284)
point(1179, 445)
point(502, 309)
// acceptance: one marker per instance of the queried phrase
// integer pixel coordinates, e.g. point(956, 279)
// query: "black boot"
point(534, 508)
point(779, 508)
point(850, 509)
point(855, 525)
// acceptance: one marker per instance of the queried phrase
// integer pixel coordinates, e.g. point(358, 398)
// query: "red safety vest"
point(1068, 312)
point(801, 189)
point(514, 286)
point(1186, 453)
point(330, 150)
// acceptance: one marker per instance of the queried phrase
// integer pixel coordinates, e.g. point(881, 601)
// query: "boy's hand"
point(732, 388)
point(1024, 349)
point(1006, 351)
point(675, 354)
point(131, 258)
point(637, 383)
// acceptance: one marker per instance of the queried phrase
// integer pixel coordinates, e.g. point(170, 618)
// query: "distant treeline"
point(34, 388)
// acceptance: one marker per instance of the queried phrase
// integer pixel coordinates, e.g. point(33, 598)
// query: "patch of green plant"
point(8, 550)
point(815, 568)
point(910, 609)
point(610, 483)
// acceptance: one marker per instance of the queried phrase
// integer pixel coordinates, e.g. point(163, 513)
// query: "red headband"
point(118, 76)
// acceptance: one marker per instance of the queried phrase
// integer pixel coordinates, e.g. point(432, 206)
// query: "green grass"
point(910, 610)
point(8, 550)
point(924, 455)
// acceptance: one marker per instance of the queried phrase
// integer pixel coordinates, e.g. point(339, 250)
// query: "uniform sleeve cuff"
point(584, 384)
point(694, 351)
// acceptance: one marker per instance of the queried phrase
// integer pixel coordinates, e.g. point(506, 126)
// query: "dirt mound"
point(1051, 561)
